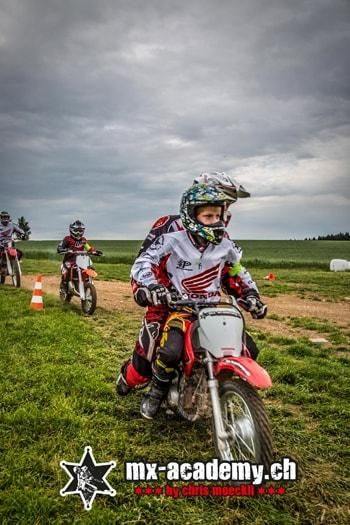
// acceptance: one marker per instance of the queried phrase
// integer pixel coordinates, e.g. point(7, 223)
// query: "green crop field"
point(281, 254)
point(57, 396)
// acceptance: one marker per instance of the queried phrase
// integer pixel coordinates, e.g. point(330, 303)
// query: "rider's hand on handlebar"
point(97, 252)
point(159, 294)
point(255, 306)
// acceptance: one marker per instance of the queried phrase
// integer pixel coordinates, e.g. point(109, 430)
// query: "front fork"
point(81, 285)
point(213, 385)
point(81, 290)
point(9, 265)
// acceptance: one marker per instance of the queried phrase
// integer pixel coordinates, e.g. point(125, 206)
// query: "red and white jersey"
point(176, 262)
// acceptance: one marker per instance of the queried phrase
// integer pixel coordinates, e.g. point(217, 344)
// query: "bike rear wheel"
point(16, 274)
point(89, 304)
point(246, 424)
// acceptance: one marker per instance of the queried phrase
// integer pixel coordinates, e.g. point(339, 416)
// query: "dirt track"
point(116, 295)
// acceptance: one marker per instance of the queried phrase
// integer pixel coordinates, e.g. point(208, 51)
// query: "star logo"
point(87, 478)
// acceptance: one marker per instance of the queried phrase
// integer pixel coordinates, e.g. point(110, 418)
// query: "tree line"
point(330, 237)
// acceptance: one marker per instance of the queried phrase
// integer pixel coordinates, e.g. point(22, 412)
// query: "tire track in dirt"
point(117, 296)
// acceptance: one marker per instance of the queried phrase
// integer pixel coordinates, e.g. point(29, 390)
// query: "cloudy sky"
point(109, 109)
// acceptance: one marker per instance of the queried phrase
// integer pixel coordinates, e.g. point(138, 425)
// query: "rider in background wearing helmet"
point(7, 230)
point(190, 261)
point(136, 372)
point(74, 242)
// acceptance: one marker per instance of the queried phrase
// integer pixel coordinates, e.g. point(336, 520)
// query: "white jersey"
point(6, 232)
point(175, 261)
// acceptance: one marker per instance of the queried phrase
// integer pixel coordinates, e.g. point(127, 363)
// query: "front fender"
point(247, 369)
point(90, 272)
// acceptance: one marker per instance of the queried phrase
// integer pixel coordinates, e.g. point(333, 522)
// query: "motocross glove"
point(97, 252)
point(159, 294)
point(255, 306)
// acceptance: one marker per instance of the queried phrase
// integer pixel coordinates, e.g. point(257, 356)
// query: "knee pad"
point(170, 354)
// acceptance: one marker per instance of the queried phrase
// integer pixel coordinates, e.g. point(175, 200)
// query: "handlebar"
point(177, 301)
point(72, 252)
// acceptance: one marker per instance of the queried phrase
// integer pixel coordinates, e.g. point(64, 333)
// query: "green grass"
point(301, 267)
point(312, 284)
point(263, 254)
point(57, 396)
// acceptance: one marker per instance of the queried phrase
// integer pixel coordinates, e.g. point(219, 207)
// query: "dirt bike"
point(217, 378)
point(80, 282)
point(9, 264)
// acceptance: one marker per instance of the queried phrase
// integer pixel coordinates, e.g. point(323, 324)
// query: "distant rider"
point(7, 231)
point(75, 242)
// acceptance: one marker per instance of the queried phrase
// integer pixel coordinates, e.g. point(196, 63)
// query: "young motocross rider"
point(75, 242)
point(137, 371)
point(190, 254)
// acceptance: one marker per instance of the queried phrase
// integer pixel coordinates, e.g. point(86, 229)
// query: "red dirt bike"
point(80, 282)
point(9, 264)
point(217, 378)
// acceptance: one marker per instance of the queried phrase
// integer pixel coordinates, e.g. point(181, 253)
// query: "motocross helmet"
point(77, 229)
point(203, 195)
point(228, 185)
point(4, 218)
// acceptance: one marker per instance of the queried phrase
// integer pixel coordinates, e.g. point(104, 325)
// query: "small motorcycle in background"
point(217, 379)
point(80, 282)
point(9, 264)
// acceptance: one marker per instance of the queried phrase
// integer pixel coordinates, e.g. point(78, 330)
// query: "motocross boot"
point(64, 284)
point(151, 402)
point(121, 385)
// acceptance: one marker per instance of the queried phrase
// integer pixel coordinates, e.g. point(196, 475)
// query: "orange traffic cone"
point(270, 277)
point(37, 297)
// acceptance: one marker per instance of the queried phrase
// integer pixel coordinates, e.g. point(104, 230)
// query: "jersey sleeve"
point(236, 280)
point(146, 266)
point(18, 230)
point(63, 245)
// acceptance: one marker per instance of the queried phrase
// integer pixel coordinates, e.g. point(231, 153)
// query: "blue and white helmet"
point(228, 185)
point(203, 195)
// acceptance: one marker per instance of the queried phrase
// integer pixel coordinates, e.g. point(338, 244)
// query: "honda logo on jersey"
point(198, 284)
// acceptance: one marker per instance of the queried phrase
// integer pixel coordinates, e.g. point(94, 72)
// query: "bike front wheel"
point(16, 274)
point(89, 304)
point(246, 425)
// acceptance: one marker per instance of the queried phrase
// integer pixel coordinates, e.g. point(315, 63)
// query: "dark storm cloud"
point(108, 110)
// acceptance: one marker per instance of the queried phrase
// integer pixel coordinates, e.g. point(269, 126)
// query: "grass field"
point(280, 254)
point(57, 396)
